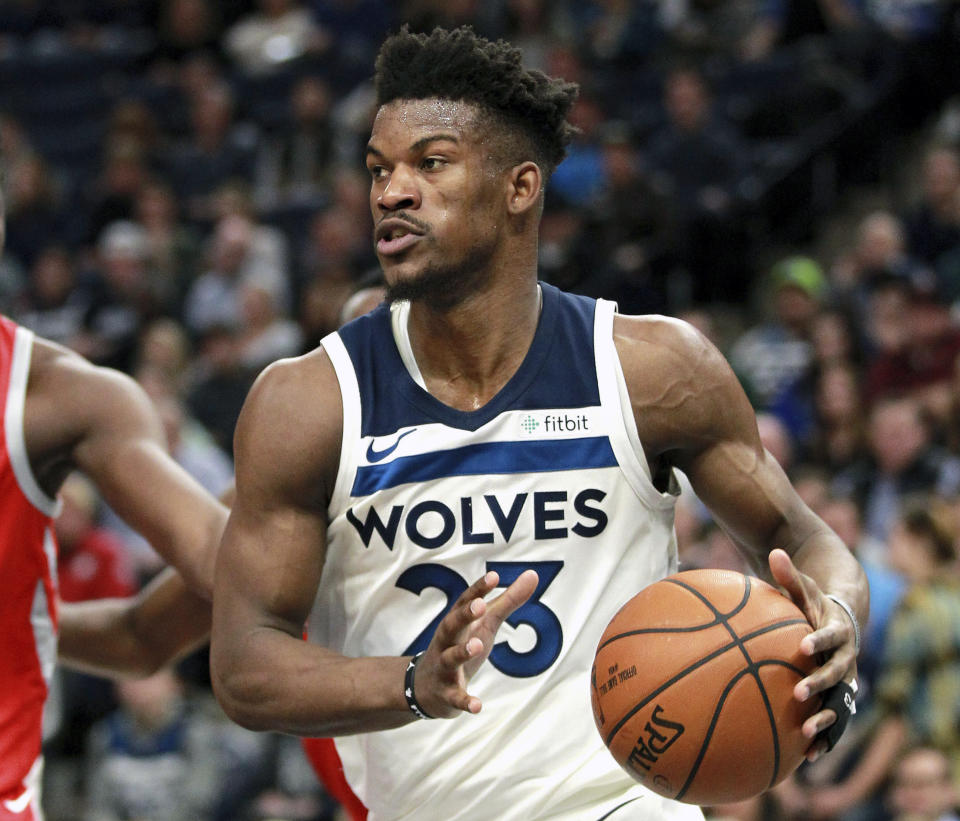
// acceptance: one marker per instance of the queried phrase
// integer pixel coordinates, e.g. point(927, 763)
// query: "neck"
point(467, 354)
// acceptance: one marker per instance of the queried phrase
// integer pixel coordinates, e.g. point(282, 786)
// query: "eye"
point(377, 172)
point(433, 163)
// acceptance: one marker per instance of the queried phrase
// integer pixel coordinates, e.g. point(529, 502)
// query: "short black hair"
point(457, 64)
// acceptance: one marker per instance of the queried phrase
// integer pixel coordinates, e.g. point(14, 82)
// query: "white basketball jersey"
point(549, 475)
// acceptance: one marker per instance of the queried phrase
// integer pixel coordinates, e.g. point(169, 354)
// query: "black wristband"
point(408, 693)
point(841, 699)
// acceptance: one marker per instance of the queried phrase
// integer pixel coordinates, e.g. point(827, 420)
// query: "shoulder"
point(67, 392)
point(289, 386)
point(654, 348)
point(682, 389)
point(291, 424)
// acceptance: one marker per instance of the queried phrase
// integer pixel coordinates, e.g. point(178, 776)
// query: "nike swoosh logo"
point(19, 804)
point(374, 455)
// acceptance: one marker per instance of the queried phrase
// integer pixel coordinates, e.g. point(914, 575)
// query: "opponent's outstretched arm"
point(692, 414)
point(99, 421)
point(136, 636)
point(265, 676)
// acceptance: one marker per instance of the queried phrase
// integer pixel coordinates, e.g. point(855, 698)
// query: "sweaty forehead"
point(411, 120)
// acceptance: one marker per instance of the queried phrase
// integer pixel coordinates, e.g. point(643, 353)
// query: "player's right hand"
point(463, 641)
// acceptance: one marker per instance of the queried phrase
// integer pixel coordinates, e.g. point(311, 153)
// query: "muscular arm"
point(162, 624)
point(268, 571)
point(692, 414)
point(98, 421)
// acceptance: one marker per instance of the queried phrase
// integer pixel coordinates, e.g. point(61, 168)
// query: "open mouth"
point(394, 238)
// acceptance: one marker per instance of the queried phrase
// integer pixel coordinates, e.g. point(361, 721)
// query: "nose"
point(401, 191)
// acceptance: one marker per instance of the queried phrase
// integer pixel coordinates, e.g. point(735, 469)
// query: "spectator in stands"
point(188, 442)
point(294, 165)
point(636, 241)
point(15, 145)
point(165, 354)
point(425, 15)
point(92, 561)
point(155, 758)
point(933, 223)
point(220, 384)
point(529, 25)
point(923, 365)
point(923, 787)
point(132, 122)
point(812, 484)
point(92, 564)
point(699, 161)
point(173, 247)
point(265, 335)
point(776, 439)
point(53, 306)
point(194, 448)
point(773, 354)
point(216, 151)
point(114, 192)
point(618, 32)
point(122, 297)
point(369, 293)
point(34, 209)
point(268, 257)
point(839, 435)
point(834, 342)
point(710, 28)
point(878, 255)
point(902, 461)
point(781, 22)
point(918, 34)
point(214, 298)
point(581, 177)
point(322, 301)
point(918, 685)
point(335, 244)
point(277, 32)
point(356, 27)
point(185, 27)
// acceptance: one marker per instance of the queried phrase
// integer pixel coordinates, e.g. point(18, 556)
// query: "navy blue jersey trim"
point(487, 458)
point(557, 372)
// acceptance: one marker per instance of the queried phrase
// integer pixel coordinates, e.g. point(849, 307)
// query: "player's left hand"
point(833, 639)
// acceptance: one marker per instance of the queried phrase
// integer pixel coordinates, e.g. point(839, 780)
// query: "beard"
point(443, 286)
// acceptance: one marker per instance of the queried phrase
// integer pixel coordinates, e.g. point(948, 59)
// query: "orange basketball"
point(692, 686)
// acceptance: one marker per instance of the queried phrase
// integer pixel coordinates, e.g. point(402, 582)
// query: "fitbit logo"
point(555, 423)
point(565, 423)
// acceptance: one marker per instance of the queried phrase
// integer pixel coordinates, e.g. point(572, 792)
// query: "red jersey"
point(323, 757)
point(28, 614)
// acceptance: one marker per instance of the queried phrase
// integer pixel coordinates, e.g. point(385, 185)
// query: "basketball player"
point(60, 413)
point(484, 431)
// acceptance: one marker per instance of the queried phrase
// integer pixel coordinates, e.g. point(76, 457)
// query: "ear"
point(524, 188)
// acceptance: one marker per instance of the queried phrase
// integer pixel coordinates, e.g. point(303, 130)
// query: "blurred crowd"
point(186, 202)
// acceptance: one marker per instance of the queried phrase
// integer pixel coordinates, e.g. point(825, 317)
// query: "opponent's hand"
point(463, 641)
point(833, 639)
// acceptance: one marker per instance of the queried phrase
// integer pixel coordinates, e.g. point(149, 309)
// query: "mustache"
point(420, 225)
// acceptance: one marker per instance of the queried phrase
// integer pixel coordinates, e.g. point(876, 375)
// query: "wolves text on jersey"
point(431, 524)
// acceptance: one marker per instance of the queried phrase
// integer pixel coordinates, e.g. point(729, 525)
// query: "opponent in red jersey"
point(60, 414)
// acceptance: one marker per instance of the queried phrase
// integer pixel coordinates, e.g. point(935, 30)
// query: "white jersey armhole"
point(615, 399)
point(350, 402)
point(13, 425)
